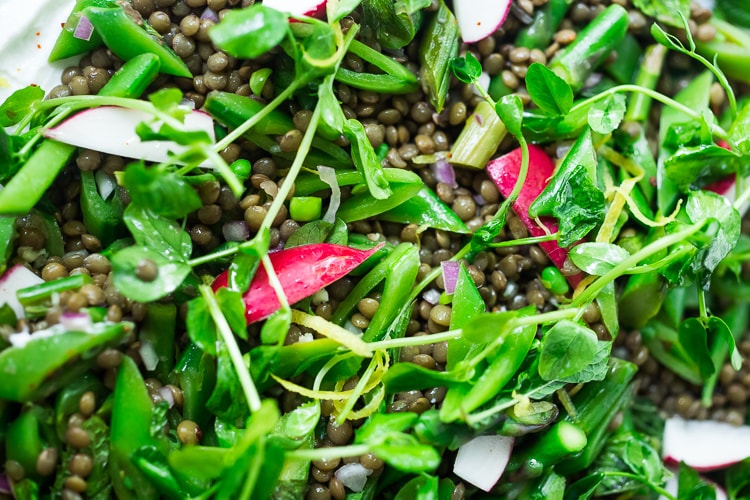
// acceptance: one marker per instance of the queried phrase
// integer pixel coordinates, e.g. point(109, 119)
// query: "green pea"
point(305, 208)
point(554, 281)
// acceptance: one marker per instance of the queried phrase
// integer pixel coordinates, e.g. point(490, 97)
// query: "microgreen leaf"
point(233, 307)
point(250, 32)
point(241, 271)
point(338, 9)
point(467, 69)
point(276, 326)
point(701, 165)
point(566, 349)
point(667, 11)
point(227, 400)
point(484, 328)
point(159, 234)
point(125, 264)
point(365, 159)
point(597, 258)
point(693, 339)
point(702, 205)
point(510, 110)
point(548, 91)
point(200, 326)
point(605, 115)
point(721, 332)
point(331, 113)
point(19, 105)
point(163, 192)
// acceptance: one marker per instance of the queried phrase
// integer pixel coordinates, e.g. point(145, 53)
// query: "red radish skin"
point(478, 19)
point(111, 129)
point(504, 172)
point(311, 8)
point(302, 271)
point(14, 279)
point(704, 445)
point(482, 460)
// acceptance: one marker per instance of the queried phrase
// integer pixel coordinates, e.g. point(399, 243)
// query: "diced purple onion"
point(167, 395)
point(84, 29)
point(328, 175)
point(353, 476)
point(443, 172)
point(479, 200)
point(236, 230)
point(210, 14)
point(450, 274)
point(76, 322)
point(4, 484)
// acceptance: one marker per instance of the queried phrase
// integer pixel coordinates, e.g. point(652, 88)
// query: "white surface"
point(30, 28)
point(14, 279)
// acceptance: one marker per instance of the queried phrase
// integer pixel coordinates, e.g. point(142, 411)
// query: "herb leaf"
point(510, 110)
point(467, 69)
point(164, 192)
point(159, 234)
point(566, 349)
point(250, 32)
point(597, 258)
point(19, 105)
point(126, 262)
point(548, 91)
point(605, 115)
point(702, 205)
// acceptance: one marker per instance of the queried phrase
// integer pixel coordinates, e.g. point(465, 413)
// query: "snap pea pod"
point(30, 433)
point(439, 45)
point(643, 295)
point(196, 375)
point(102, 218)
point(595, 405)
point(396, 79)
point(7, 240)
point(730, 47)
point(43, 291)
point(127, 39)
point(46, 363)
point(591, 47)
point(558, 443)
point(67, 399)
point(130, 430)
point(27, 187)
point(737, 319)
point(67, 44)
point(363, 205)
point(540, 32)
point(627, 59)
point(479, 139)
point(426, 209)
point(158, 330)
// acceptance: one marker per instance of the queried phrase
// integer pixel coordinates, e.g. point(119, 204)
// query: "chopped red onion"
point(4, 484)
point(236, 230)
point(76, 322)
point(443, 172)
point(148, 355)
point(479, 200)
point(328, 175)
point(431, 296)
point(210, 14)
point(84, 29)
point(450, 274)
point(353, 476)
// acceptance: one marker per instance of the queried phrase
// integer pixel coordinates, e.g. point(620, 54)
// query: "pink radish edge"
point(504, 172)
point(478, 19)
point(704, 445)
point(16, 278)
point(311, 8)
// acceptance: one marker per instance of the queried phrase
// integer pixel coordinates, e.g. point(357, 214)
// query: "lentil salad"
point(162, 395)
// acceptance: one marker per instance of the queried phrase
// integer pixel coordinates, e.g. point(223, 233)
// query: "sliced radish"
point(482, 460)
point(111, 129)
point(704, 445)
point(14, 279)
point(312, 8)
point(727, 187)
point(478, 19)
point(673, 485)
point(504, 172)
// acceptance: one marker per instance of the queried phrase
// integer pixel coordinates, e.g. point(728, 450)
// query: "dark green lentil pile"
point(507, 278)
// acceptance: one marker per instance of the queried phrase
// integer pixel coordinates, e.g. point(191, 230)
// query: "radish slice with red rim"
point(478, 19)
point(705, 445)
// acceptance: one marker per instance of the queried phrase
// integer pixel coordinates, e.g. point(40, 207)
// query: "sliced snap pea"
point(68, 45)
point(102, 218)
point(7, 239)
point(540, 32)
point(479, 139)
point(439, 46)
point(127, 39)
point(426, 209)
point(46, 363)
point(43, 291)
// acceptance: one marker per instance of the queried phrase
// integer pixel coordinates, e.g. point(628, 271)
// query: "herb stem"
point(655, 487)
point(273, 280)
point(416, 341)
point(743, 198)
point(352, 450)
point(531, 240)
point(657, 96)
point(243, 374)
point(597, 286)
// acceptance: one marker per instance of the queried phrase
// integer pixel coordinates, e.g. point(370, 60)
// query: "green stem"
point(743, 198)
point(273, 280)
point(419, 340)
point(655, 487)
point(531, 240)
point(657, 96)
point(352, 450)
point(243, 374)
point(661, 244)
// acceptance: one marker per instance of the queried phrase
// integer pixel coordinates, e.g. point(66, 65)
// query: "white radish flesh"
point(482, 460)
point(705, 445)
point(111, 129)
point(312, 8)
point(478, 19)
point(16, 278)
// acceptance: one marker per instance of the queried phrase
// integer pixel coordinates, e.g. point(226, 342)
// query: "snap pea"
point(363, 205)
point(438, 47)
point(29, 434)
point(7, 240)
point(558, 443)
point(67, 400)
point(68, 45)
point(130, 430)
point(43, 291)
point(628, 56)
point(426, 209)
point(102, 218)
point(539, 33)
point(196, 375)
point(595, 405)
point(27, 187)
point(127, 39)
point(46, 363)
point(591, 47)
point(158, 330)
point(479, 139)
point(396, 79)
